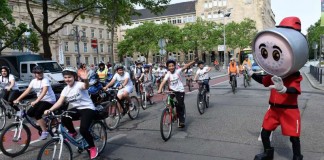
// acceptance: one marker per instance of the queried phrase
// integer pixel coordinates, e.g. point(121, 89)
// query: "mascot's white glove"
point(249, 70)
point(278, 84)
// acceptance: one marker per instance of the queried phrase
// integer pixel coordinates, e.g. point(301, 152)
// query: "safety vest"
point(102, 74)
point(232, 68)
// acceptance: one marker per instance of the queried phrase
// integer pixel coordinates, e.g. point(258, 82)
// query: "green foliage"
point(314, 33)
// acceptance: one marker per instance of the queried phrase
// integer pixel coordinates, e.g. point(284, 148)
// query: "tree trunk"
point(46, 48)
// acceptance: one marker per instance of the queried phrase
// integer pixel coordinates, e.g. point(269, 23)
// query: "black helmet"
point(6, 68)
point(38, 69)
point(170, 61)
point(101, 64)
point(201, 62)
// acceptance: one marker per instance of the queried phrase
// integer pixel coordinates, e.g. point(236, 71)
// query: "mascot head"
point(283, 50)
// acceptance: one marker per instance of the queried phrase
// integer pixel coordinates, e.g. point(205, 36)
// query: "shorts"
point(128, 89)
point(289, 119)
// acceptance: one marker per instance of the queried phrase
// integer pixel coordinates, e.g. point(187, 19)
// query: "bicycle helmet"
point(6, 68)
point(201, 62)
point(101, 64)
point(119, 66)
point(171, 61)
point(70, 71)
point(38, 69)
point(146, 66)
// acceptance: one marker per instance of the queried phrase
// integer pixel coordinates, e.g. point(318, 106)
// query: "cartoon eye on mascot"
point(281, 52)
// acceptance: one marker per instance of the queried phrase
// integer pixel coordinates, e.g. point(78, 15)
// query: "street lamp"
point(226, 13)
point(77, 37)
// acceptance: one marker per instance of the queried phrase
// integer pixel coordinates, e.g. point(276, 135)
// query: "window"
point(24, 68)
point(202, 16)
point(86, 59)
point(215, 2)
point(95, 60)
point(101, 48)
point(85, 47)
point(84, 33)
point(224, 2)
point(209, 16)
point(66, 46)
point(103, 59)
point(174, 20)
point(206, 4)
point(215, 15)
point(100, 33)
point(108, 34)
point(75, 47)
point(169, 20)
point(109, 48)
point(67, 61)
point(220, 3)
point(179, 20)
point(210, 4)
point(92, 33)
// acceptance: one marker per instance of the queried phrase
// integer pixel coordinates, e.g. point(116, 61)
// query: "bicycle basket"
point(102, 112)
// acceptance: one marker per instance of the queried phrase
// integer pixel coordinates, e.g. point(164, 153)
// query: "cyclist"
point(188, 73)
point(76, 94)
point(45, 98)
point(161, 71)
point(247, 63)
point(125, 88)
point(202, 74)
point(216, 64)
point(102, 73)
point(137, 74)
point(232, 69)
point(175, 85)
point(147, 79)
point(10, 87)
point(82, 69)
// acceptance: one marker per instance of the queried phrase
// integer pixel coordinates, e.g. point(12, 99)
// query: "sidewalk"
point(315, 84)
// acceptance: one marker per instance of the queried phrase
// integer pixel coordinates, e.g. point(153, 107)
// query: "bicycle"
point(114, 116)
point(145, 96)
point(233, 82)
point(246, 78)
point(59, 146)
point(16, 137)
point(189, 81)
point(169, 116)
point(202, 98)
point(6, 110)
point(217, 67)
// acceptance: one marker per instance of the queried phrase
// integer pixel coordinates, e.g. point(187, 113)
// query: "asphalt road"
point(229, 129)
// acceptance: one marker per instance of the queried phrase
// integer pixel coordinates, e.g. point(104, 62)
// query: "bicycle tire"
point(189, 85)
point(43, 153)
point(3, 118)
point(200, 103)
point(3, 137)
point(233, 85)
point(244, 81)
point(143, 102)
point(116, 117)
point(166, 120)
point(133, 113)
point(99, 139)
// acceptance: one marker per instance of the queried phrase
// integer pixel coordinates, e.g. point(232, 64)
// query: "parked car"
point(257, 69)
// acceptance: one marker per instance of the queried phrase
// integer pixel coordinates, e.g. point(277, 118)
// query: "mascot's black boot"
point(298, 157)
point(266, 155)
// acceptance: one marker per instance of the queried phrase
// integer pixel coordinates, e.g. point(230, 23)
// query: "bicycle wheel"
point(99, 134)
point(3, 118)
point(143, 102)
point(244, 81)
point(166, 124)
point(200, 103)
point(12, 144)
point(233, 85)
point(51, 150)
point(189, 85)
point(114, 117)
point(134, 108)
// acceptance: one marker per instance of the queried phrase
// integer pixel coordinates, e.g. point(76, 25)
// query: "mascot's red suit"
point(281, 52)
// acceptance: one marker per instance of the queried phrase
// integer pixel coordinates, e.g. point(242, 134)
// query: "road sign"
point(162, 43)
point(162, 51)
point(94, 43)
point(221, 48)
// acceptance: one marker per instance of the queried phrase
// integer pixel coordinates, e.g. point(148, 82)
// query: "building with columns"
point(210, 10)
point(64, 44)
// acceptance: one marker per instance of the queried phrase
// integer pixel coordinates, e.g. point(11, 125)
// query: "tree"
point(12, 35)
point(119, 12)
point(314, 33)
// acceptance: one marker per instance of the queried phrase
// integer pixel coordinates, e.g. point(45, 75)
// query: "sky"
point(309, 11)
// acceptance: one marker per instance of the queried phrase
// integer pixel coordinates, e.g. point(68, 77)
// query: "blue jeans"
point(206, 82)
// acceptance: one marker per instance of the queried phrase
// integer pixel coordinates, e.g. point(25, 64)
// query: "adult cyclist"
point(233, 69)
point(76, 94)
point(202, 74)
point(173, 76)
point(125, 88)
point(45, 98)
point(102, 72)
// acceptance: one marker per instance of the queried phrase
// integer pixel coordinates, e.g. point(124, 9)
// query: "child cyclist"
point(202, 74)
point(175, 85)
point(76, 94)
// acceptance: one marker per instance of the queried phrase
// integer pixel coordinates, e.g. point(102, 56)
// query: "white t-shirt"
point(174, 80)
point(5, 82)
point(188, 71)
point(122, 78)
point(37, 86)
point(160, 71)
point(78, 97)
point(201, 75)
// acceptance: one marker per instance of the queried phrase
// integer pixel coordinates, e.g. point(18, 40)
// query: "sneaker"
point(181, 125)
point(43, 136)
point(93, 152)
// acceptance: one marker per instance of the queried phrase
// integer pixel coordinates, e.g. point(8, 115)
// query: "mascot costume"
point(281, 52)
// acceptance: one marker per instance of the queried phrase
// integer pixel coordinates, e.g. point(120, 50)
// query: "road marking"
point(116, 137)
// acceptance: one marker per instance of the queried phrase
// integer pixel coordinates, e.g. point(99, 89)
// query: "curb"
point(311, 82)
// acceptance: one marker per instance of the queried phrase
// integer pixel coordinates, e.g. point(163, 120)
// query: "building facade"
point(65, 46)
point(211, 10)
